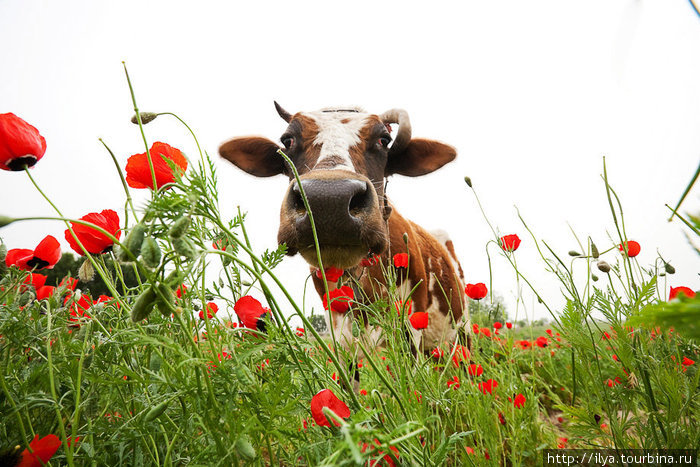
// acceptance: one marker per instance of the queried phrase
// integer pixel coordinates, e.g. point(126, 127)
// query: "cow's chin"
point(342, 257)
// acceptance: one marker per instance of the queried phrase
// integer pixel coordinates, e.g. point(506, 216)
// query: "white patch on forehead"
point(335, 137)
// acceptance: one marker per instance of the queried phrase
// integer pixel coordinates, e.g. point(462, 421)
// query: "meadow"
point(154, 372)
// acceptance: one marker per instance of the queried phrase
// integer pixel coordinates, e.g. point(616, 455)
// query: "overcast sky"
point(532, 95)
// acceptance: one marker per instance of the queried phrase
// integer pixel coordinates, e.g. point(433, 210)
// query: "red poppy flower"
point(469, 450)
point(332, 274)
point(510, 242)
point(485, 331)
point(371, 261)
point(44, 292)
point(138, 171)
point(476, 291)
point(687, 362)
point(453, 383)
point(339, 299)
point(250, 312)
point(461, 354)
point(542, 342)
point(509, 325)
point(675, 291)
point(42, 451)
point(401, 260)
point(524, 344)
point(633, 248)
point(21, 145)
point(326, 398)
point(301, 332)
point(181, 291)
point(35, 279)
point(548, 331)
point(519, 401)
point(501, 418)
point(80, 307)
point(475, 328)
point(69, 282)
point(399, 305)
point(419, 320)
point(475, 370)
point(94, 241)
point(44, 256)
point(497, 325)
point(212, 308)
point(488, 386)
point(438, 353)
point(387, 459)
point(363, 392)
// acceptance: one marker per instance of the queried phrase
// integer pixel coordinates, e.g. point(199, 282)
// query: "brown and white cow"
point(343, 156)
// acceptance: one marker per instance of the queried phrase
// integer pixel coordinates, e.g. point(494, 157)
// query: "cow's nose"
point(337, 205)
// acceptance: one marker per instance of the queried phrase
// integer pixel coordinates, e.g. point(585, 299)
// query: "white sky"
point(532, 94)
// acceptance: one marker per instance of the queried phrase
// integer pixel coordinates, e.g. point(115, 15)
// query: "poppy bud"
point(594, 250)
point(594, 277)
point(150, 252)
point(405, 238)
point(574, 253)
point(132, 243)
point(603, 266)
point(468, 181)
point(156, 411)
point(86, 273)
point(245, 449)
point(669, 269)
point(4, 220)
point(184, 247)
point(166, 300)
point(179, 228)
point(143, 305)
point(146, 117)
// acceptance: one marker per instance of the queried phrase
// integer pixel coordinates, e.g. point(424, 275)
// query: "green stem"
point(143, 134)
point(687, 189)
point(52, 384)
point(129, 201)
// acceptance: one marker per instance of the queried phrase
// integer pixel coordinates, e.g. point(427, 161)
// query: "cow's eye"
point(288, 141)
point(385, 140)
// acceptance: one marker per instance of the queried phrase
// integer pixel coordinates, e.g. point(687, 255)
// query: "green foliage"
point(682, 314)
point(174, 389)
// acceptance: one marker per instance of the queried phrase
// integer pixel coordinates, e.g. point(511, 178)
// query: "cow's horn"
point(403, 135)
point(286, 116)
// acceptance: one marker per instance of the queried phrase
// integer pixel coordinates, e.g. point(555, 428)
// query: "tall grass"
point(175, 389)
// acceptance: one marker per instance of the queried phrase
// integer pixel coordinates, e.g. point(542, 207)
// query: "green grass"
point(176, 390)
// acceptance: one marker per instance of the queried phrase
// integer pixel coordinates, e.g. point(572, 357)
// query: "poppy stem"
point(126, 187)
point(143, 134)
point(52, 385)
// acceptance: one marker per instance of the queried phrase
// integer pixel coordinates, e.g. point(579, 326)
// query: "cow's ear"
point(420, 157)
point(257, 156)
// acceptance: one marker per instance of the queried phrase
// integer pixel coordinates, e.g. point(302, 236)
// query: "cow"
point(343, 156)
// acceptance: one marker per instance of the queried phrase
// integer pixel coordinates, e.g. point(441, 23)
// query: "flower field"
point(190, 359)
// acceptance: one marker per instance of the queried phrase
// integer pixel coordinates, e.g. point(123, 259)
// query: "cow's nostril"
point(360, 201)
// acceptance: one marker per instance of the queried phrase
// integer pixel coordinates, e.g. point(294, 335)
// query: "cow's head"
point(343, 156)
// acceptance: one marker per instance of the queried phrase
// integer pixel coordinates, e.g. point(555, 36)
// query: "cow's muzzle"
point(346, 214)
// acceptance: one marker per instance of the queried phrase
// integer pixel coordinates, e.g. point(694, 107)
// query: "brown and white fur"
point(343, 157)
